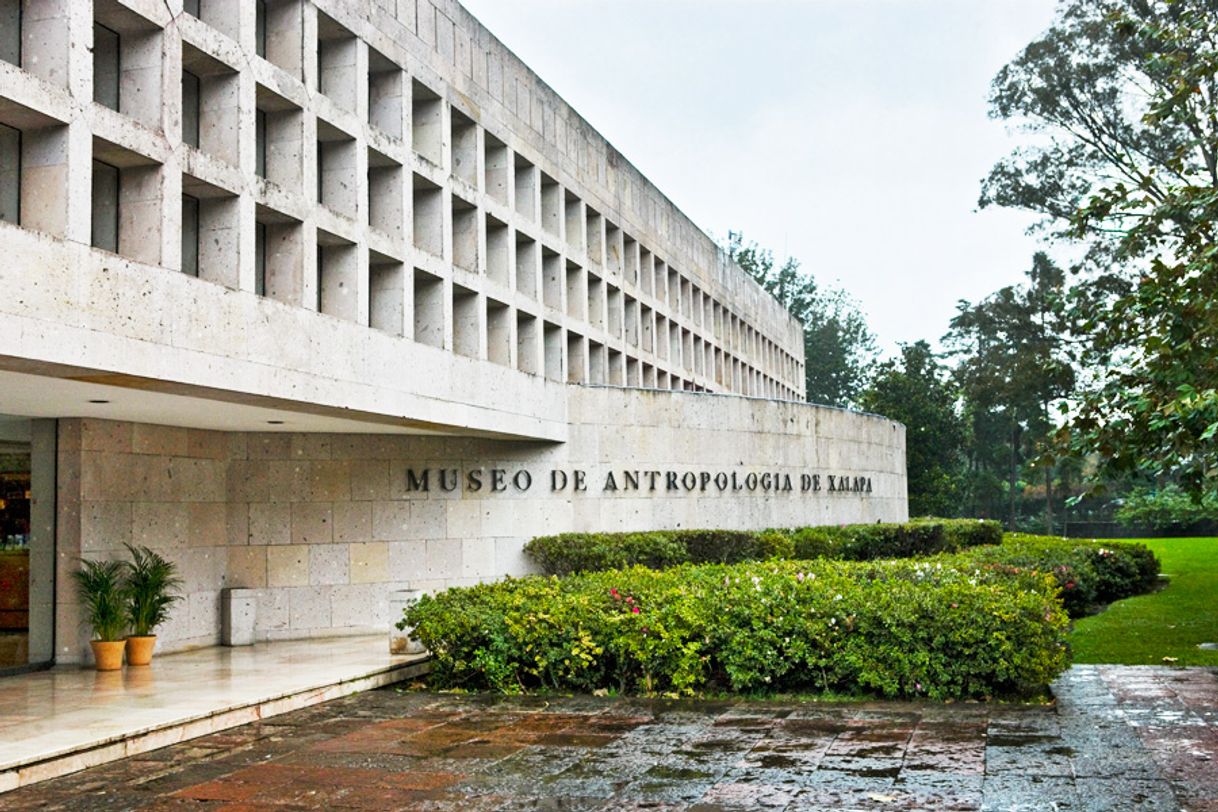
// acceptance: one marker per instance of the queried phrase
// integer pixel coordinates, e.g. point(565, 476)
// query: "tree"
point(1013, 370)
point(1121, 97)
point(916, 390)
point(838, 346)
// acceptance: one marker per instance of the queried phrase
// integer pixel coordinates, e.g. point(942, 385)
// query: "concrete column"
point(71, 641)
point(42, 540)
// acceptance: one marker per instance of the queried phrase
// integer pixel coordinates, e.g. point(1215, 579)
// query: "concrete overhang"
point(77, 324)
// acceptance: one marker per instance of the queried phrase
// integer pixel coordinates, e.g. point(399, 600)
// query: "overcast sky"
point(850, 134)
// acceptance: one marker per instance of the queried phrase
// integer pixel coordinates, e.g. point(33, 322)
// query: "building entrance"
point(14, 542)
point(27, 543)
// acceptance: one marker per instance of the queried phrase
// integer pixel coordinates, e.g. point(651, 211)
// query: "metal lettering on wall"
point(578, 481)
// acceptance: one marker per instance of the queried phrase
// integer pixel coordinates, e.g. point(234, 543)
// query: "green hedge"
point(1088, 573)
point(893, 628)
point(590, 552)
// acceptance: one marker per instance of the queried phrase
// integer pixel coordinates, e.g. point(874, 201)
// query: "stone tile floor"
point(1118, 739)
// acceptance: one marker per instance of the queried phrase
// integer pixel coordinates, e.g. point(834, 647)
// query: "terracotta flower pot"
point(139, 650)
point(108, 654)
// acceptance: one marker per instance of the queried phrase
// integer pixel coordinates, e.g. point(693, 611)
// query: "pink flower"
point(635, 610)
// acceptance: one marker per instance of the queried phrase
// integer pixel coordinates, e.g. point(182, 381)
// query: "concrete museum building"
point(329, 298)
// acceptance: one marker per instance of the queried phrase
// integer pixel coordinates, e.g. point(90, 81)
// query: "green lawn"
point(1167, 623)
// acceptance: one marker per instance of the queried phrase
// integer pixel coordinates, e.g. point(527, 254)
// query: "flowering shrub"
point(931, 628)
point(588, 552)
point(1088, 573)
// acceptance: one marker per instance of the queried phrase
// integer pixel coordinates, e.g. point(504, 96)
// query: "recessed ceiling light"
point(275, 422)
point(99, 401)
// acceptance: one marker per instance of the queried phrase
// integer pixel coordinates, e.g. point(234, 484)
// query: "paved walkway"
point(66, 719)
point(1118, 739)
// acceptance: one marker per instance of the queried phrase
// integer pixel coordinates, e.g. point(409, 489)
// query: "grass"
point(1167, 623)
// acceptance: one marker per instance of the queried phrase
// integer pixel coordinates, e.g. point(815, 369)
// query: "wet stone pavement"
point(1118, 739)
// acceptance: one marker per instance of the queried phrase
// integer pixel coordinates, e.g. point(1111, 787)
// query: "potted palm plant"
point(151, 585)
point(101, 589)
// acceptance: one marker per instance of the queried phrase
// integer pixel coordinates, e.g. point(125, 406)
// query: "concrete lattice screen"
point(374, 181)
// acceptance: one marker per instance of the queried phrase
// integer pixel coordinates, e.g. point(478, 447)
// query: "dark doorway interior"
point(14, 552)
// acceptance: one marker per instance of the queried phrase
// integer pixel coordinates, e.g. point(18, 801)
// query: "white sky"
point(850, 134)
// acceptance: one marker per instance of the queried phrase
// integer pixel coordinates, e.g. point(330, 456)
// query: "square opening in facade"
point(10, 31)
point(278, 140)
point(428, 311)
point(526, 189)
point(10, 174)
point(577, 358)
point(428, 211)
point(630, 260)
point(634, 375)
point(467, 322)
point(553, 280)
point(127, 62)
point(464, 142)
point(497, 168)
point(597, 371)
point(614, 310)
point(222, 15)
point(34, 37)
point(528, 344)
point(574, 231)
point(386, 294)
point(595, 236)
point(337, 277)
point(498, 248)
point(210, 105)
point(596, 301)
point(613, 249)
point(34, 173)
point(527, 266)
point(616, 375)
point(127, 197)
point(278, 34)
point(465, 234)
point(426, 123)
point(631, 320)
point(551, 205)
point(385, 196)
point(210, 222)
point(336, 184)
point(386, 92)
point(498, 332)
point(278, 256)
point(577, 292)
point(553, 351)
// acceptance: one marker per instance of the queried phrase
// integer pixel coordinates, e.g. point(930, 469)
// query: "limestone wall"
point(325, 525)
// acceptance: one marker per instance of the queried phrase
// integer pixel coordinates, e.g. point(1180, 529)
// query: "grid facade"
point(385, 163)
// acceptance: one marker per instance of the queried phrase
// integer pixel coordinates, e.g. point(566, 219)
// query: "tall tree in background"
point(915, 389)
point(838, 346)
point(1121, 98)
point(1013, 369)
